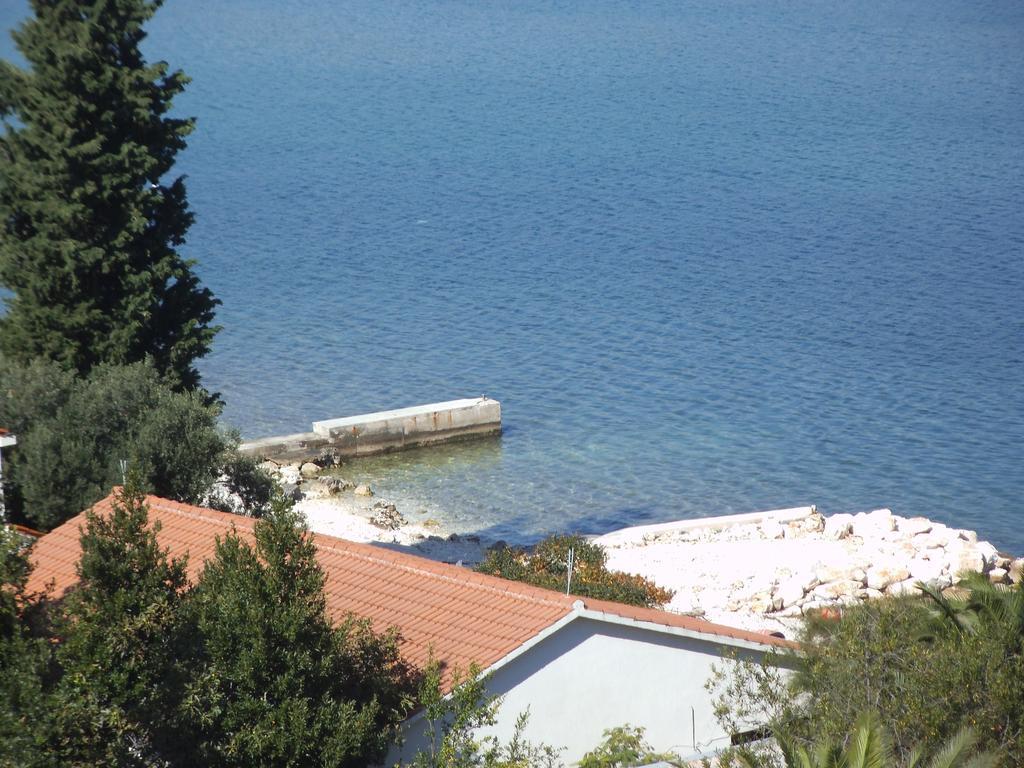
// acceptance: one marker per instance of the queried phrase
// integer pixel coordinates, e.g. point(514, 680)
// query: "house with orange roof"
point(577, 665)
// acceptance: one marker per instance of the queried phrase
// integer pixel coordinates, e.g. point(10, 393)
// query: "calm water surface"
point(711, 256)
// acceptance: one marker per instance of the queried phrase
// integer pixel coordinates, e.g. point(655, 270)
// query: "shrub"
point(547, 566)
point(925, 677)
point(623, 747)
point(74, 432)
point(275, 682)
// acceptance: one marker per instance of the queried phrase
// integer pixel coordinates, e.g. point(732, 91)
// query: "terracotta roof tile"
point(459, 615)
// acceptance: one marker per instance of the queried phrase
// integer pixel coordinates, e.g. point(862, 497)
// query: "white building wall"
point(592, 675)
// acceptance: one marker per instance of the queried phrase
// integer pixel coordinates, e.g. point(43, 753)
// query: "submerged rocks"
point(386, 515)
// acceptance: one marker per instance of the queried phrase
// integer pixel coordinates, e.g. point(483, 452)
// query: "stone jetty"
point(384, 431)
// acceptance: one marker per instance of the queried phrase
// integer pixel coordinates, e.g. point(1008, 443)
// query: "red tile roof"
point(459, 615)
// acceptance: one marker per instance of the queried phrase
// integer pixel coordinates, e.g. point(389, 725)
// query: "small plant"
point(624, 747)
point(453, 719)
point(547, 566)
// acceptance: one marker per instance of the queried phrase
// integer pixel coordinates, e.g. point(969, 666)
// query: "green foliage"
point(73, 432)
point(252, 488)
point(122, 660)
point(869, 746)
point(275, 683)
point(622, 747)
point(452, 721)
point(547, 566)
point(242, 669)
point(908, 659)
point(90, 220)
point(23, 662)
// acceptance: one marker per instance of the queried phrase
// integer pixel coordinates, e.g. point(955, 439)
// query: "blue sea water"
point(711, 256)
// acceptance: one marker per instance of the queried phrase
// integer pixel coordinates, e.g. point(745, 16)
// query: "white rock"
point(997, 575)
point(881, 576)
point(838, 526)
point(971, 537)
point(760, 603)
point(966, 558)
point(933, 541)
point(1016, 570)
point(790, 591)
point(812, 605)
point(363, 490)
point(914, 526)
point(772, 529)
point(836, 589)
point(988, 552)
point(309, 469)
point(827, 572)
point(925, 570)
point(906, 587)
point(870, 594)
point(874, 525)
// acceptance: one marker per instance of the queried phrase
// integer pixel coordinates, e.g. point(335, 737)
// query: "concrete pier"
point(385, 431)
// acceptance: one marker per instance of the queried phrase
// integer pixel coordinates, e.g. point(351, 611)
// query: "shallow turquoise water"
point(712, 257)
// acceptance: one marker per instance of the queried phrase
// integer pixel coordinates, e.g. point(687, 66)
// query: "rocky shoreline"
point(770, 572)
point(761, 571)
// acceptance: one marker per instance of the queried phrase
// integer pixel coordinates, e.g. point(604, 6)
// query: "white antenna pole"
point(568, 576)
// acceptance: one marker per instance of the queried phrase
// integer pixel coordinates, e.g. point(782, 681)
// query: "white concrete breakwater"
point(385, 431)
point(767, 567)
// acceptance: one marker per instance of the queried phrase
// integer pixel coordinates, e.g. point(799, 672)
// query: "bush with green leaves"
point(867, 746)
point(73, 433)
point(275, 683)
point(24, 660)
point(243, 668)
point(929, 670)
point(123, 658)
point(625, 747)
point(547, 565)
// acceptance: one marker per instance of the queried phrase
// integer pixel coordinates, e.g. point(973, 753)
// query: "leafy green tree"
point(24, 661)
point(548, 566)
point(124, 656)
point(73, 433)
point(90, 221)
point(276, 683)
point(927, 679)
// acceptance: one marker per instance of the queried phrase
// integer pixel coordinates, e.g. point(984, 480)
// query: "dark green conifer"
point(90, 219)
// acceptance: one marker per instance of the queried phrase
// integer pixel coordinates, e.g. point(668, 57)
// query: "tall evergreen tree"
point(89, 220)
point(124, 656)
